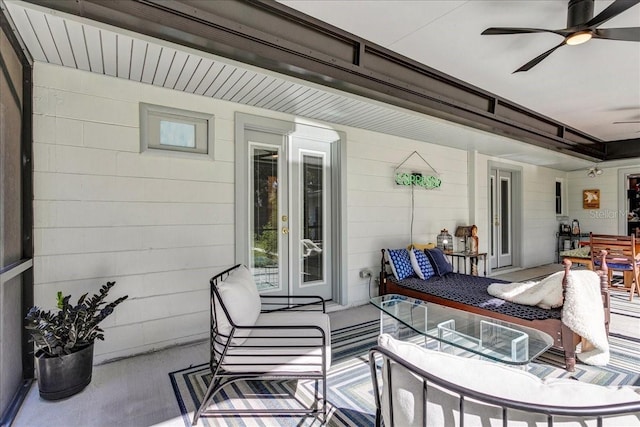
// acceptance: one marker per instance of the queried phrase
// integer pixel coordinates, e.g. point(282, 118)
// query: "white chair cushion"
point(493, 379)
point(240, 296)
point(287, 354)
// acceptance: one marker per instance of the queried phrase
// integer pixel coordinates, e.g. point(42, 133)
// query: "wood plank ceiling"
point(69, 41)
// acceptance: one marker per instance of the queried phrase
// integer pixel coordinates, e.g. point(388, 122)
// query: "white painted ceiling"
point(588, 87)
point(75, 42)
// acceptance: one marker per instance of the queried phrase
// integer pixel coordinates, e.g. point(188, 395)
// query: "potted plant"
point(64, 340)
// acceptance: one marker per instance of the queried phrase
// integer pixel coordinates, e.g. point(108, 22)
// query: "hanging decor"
point(417, 179)
point(591, 199)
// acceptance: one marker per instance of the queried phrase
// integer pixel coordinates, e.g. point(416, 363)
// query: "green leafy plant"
point(72, 327)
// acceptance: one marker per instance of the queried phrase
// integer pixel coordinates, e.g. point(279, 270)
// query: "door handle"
point(285, 230)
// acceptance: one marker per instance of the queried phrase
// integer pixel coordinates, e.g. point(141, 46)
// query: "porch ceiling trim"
point(272, 36)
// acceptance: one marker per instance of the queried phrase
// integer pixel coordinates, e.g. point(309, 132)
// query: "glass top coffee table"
point(489, 338)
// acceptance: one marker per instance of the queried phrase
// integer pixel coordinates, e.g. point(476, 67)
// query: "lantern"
point(445, 241)
point(464, 233)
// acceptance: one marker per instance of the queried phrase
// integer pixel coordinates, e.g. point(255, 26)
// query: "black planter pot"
point(64, 376)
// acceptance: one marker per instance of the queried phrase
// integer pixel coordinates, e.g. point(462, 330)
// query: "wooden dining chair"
point(621, 255)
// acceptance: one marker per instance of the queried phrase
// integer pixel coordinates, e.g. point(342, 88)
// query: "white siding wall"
point(379, 211)
point(162, 225)
point(603, 220)
point(539, 221)
point(159, 225)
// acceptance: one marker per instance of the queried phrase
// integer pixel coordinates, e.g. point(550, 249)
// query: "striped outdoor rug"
point(350, 395)
point(620, 304)
point(348, 385)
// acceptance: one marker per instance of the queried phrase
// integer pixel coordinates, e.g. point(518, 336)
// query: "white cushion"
point(286, 353)
point(493, 379)
point(240, 297)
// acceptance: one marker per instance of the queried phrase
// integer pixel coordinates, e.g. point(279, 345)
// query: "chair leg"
point(324, 401)
point(634, 284)
point(378, 418)
point(213, 388)
point(316, 392)
point(217, 384)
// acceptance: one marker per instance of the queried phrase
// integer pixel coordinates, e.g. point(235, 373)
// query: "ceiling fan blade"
point(631, 34)
point(615, 8)
point(513, 30)
point(538, 59)
point(629, 122)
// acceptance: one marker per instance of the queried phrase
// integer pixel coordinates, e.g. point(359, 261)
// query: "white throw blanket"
point(582, 310)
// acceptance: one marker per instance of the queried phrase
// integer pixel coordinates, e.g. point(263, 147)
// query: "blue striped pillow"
point(421, 264)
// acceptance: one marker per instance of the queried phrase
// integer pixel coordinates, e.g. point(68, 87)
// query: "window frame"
point(562, 196)
point(152, 115)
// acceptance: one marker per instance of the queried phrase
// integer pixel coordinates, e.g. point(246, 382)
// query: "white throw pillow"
point(240, 296)
point(490, 378)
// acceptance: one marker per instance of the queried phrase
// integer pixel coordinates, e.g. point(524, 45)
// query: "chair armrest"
point(273, 335)
point(281, 327)
point(302, 303)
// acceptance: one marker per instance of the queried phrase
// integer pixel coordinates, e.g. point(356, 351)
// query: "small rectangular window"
point(559, 210)
point(166, 128)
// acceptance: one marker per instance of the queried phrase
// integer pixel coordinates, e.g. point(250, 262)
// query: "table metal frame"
point(473, 260)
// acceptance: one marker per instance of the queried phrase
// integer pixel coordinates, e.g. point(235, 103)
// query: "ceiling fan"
point(581, 27)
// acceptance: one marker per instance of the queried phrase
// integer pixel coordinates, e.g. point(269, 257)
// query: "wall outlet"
point(364, 273)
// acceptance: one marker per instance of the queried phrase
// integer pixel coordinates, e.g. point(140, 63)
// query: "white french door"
point(289, 213)
point(501, 205)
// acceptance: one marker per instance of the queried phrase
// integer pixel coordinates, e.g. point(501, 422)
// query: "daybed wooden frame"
point(564, 338)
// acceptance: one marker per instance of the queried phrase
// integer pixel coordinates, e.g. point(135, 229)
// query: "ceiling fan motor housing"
point(582, 26)
point(579, 12)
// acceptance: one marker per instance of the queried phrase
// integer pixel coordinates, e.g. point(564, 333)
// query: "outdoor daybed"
point(469, 293)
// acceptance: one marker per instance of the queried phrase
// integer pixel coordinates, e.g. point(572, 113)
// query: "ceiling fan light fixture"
point(579, 38)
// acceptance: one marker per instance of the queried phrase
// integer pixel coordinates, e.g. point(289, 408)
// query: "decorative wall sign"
point(591, 199)
point(417, 178)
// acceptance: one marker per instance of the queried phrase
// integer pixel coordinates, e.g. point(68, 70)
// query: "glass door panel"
point(267, 222)
point(312, 218)
point(501, 205)
point(311, 213)
point(505, 230)
point(505, 257)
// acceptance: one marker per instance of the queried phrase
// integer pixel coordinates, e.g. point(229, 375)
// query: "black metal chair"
point(407, 395)
point(258, 337)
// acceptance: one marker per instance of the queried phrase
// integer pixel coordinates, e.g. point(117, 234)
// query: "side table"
point(473, 260)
